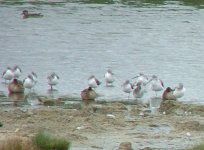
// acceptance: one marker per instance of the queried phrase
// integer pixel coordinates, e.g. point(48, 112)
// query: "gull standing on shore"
point(141, 78)
point(156, 84)
point(17, 71)
point(139, 91)
point(34, 76)
point(109, 77)
point(127, 87)
point(53, 79)
point(179, 91)
point(28, 82)
point(93, 82)
point(8, 74)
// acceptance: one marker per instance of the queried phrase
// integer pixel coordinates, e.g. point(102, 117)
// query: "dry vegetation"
point(93, 125)
point(41, 141)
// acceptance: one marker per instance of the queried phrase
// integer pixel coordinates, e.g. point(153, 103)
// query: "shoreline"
point(96, 126)
point(20, 97)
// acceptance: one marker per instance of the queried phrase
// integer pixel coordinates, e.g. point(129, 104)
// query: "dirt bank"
point(105, 126)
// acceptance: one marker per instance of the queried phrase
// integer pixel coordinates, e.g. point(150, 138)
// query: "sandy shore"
point(104, 126)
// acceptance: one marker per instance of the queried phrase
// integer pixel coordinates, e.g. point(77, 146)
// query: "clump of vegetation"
point(41, 141)
point(198, 147)
point(47, 142)
point(1, 124)
point(16, 143)
point(11, 144)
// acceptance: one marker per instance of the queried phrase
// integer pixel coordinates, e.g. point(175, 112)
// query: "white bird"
point(156, 84)
point(141, 78)
point(28, 82)
point(93, 82)
point(17, 71)
point(53, 79)
point(109, 77)
point(34, 76)
point(179, 91)
point(127, 87)
point(8, 74)
point(139, 91)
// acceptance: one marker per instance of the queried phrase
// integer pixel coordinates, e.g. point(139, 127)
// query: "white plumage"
point(142, 78)
point(156, 84)
point(17, 71)
point(53, 79)
point(139, 91)
point(93, 82)
point(8, 74)
point(109, 77)
point(127, 87)
point(28, 82)
point(179, 91)
point(34, 76)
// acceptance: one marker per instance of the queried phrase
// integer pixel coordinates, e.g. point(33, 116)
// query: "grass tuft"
point(198, 147)
point(47, 142)
point(40, 141)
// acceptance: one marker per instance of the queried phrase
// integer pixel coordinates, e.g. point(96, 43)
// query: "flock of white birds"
point(138, 88)
point(30, 81)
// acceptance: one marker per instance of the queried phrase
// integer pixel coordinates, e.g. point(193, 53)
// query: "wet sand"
point(95, 126)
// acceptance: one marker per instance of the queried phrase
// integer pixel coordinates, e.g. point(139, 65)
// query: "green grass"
point(45, 141)
point(198, 147)
point(41, 141)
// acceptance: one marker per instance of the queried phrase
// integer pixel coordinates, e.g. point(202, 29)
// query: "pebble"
point(188, 134)
point(110, 116)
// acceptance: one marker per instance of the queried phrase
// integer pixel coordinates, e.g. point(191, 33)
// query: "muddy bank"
point(95, 126)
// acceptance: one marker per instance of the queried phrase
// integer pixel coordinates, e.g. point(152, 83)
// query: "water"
point(76, 39)
point(154, 104)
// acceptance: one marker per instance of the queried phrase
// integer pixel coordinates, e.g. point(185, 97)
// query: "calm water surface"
point(76, 40)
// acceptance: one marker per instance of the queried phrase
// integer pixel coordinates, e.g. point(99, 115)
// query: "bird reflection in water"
point(53, 93)
point(32, 99)
point(16, 98)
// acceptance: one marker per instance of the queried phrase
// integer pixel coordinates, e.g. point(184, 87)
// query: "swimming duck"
point(168, 94)
point(88, 94)
point(27, 15)
point(16, 86)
